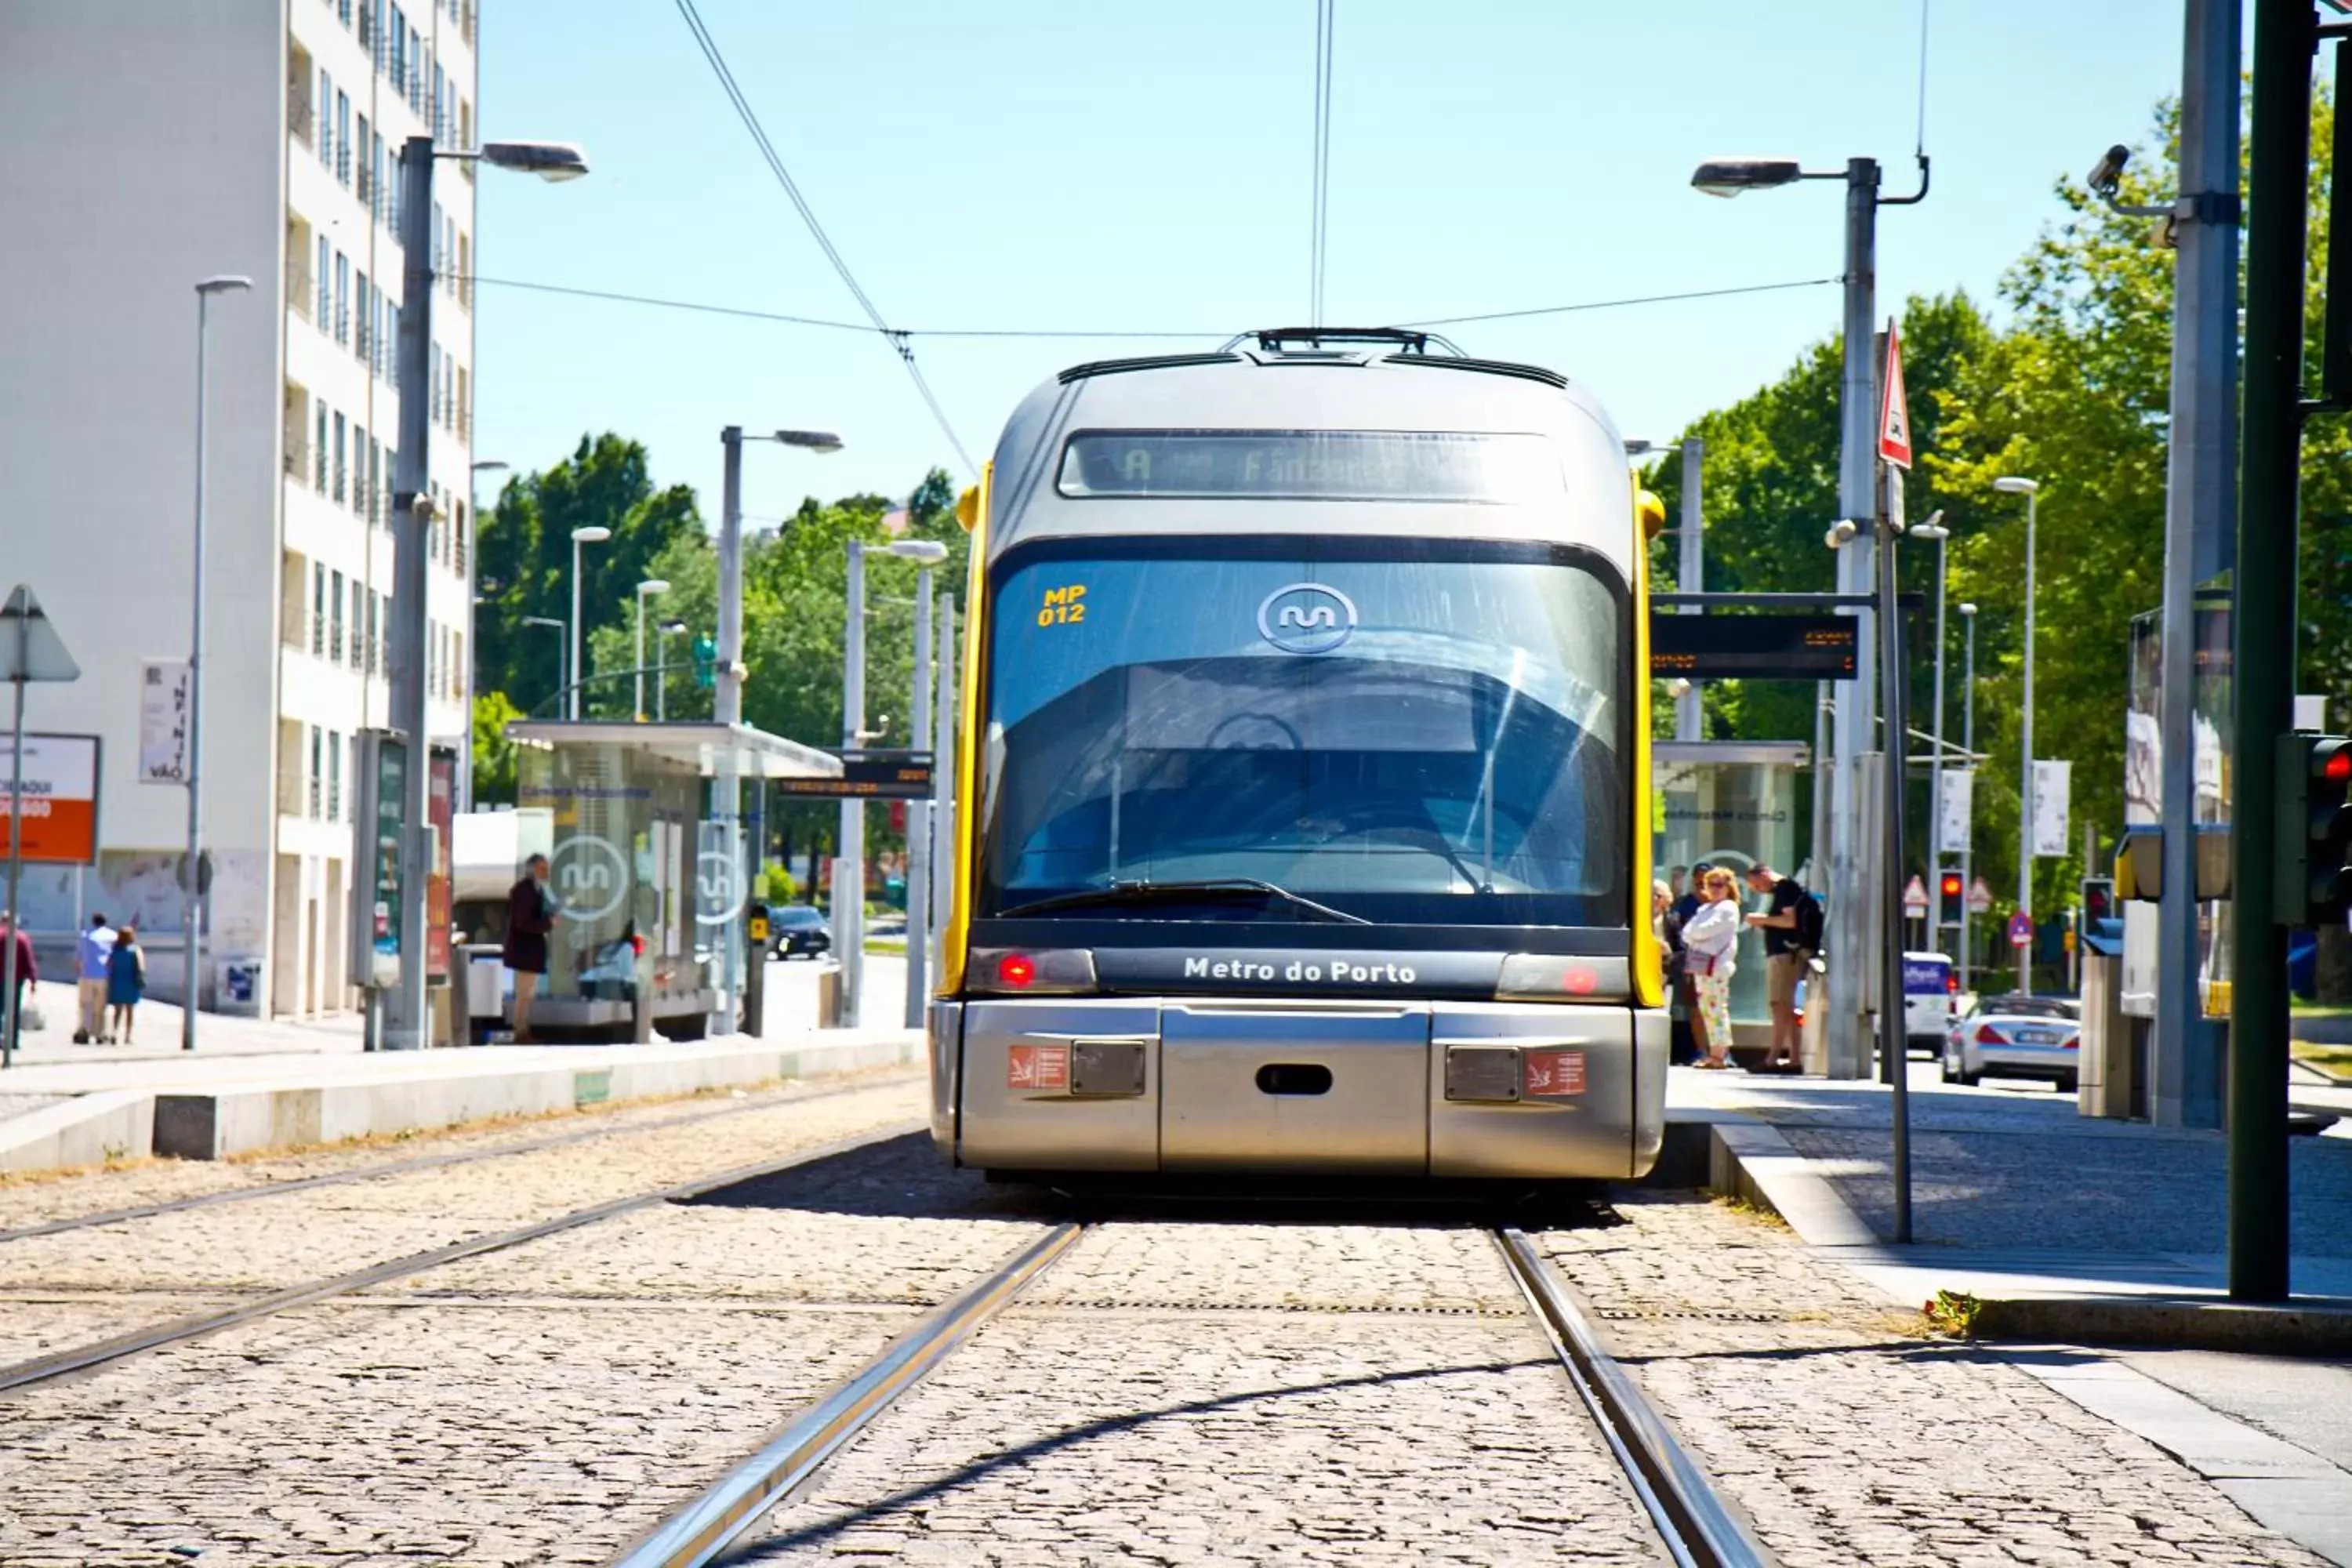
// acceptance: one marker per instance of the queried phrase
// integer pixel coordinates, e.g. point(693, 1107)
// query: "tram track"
point(1691, 1524)
point(101, 1218)
point(43, 1369)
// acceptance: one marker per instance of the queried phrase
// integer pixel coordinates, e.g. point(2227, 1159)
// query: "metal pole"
point(1817, 851)
point(1849, 876)
point(1936, 773)
point(405, 1028)
point(571, 642)
point(850, 900)
point(2201, 504)
point(2265, 637)
point(639, 710)
point(1691, 576)
point(943, 773)
point(192, 947)
point(1894, 1041)
point(726, 685)
point(2025, 785)
point(1969, 839)
point(661, 677)
point(918, 814)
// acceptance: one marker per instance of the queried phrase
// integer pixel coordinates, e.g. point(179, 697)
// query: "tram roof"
point(1348, 388)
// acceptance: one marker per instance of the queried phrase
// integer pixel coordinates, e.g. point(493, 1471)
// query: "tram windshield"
point(1405, 732)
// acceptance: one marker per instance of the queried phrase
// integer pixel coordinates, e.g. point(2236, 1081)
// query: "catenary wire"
point(656, 301)
point(899, 340)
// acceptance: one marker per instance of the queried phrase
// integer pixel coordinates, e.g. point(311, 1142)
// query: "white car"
point(1931, 989)
point(2017, 1037)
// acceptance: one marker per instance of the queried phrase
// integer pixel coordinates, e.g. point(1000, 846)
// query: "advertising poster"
point(60, 798)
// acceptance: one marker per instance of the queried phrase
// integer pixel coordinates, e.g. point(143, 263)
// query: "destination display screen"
point(1313, 465)
point(1760, 647)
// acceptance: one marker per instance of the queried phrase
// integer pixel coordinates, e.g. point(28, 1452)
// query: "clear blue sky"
point(1027, 163)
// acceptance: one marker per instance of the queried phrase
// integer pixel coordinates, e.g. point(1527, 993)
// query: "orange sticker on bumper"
point(1552, 1075)
point(1038, 1068)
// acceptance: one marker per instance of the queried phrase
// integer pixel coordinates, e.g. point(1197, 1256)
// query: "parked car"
point(800, 932)
point(1931, 989)
point(2017, 1037)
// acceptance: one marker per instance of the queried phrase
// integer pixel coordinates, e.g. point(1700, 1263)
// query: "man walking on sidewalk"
point(93, 955)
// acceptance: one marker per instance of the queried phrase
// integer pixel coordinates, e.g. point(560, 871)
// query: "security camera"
point(2108, 172)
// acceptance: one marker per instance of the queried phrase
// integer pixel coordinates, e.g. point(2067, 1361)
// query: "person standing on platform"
point(126, 981)
point(26, 973)
point(530, 915)
point(92, 953)
point(1710, 941)
point(1789, 946)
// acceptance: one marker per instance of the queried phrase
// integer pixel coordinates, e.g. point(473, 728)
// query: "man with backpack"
point(1793, 934)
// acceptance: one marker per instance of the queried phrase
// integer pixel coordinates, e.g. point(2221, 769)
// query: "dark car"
point(800, 932)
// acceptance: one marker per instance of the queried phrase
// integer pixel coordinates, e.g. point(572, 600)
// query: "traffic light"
point(706, 663)
point(2098, 901)
point(2313, 864)
point(1951, 899)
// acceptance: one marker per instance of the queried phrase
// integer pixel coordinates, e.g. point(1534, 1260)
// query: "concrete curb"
point(2177, 1323)
point(295, 1107)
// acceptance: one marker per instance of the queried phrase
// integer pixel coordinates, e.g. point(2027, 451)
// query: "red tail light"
point(1017, 970)
point(1580, 981)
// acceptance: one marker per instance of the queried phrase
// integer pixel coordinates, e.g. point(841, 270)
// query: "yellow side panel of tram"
point(1649, 963)
point(967, 781)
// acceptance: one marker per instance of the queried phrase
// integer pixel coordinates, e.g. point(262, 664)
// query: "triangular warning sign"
point(1915, 896)
point(30, 649)
point(1894, 410)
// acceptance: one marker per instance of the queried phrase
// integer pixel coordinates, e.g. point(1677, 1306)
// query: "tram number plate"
point(1554, 1074)
point(1038, 1068)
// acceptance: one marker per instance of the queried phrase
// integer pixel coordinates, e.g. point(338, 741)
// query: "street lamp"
point(1969, 744)
point(412, 628)
point(562, 652)
point(1856, 568)
point(594, 533)
point(646, 589)
point(667, 630)
point(192, 938)
point(2011, 485)
point(1934, 530)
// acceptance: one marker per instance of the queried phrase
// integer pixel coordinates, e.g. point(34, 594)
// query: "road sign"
point(2021, 930)
point(1915, 897)
point(1979, 898)
point(1895, 411)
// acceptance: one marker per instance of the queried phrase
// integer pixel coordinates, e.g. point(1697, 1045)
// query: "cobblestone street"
point(1223, 1384)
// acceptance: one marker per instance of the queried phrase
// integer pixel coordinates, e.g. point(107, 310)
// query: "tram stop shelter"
point(652, 835)
point(1730, 804)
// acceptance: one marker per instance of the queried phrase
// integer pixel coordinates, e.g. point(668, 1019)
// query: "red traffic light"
point(2336, 763)
point(1951, 885)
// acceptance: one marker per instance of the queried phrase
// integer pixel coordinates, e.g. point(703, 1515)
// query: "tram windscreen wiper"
point(1210, 888)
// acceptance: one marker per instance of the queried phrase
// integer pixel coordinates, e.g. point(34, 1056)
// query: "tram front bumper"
point(1449, 1090)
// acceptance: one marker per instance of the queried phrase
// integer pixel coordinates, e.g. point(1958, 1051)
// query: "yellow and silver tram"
point(1307, 717)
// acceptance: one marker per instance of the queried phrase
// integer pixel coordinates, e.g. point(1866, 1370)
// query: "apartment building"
point(149, 146)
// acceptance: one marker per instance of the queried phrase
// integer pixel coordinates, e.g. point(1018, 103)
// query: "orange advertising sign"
point(60, 798)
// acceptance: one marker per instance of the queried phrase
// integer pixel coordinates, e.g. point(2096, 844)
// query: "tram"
point(1307, 717)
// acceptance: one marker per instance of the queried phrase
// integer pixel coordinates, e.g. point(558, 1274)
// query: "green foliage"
point(494, 754)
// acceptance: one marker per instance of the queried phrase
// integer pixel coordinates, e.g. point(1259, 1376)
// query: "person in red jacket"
point(530, 915)
point(26, 973)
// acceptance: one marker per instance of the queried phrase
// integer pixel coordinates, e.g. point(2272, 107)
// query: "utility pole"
point(405, 1025)
point(2286, 34)
point(1691, 576)
point(2200, 495)
point(727, 707)
point(1894, 1041)
point(919, 813)
point(849, 862)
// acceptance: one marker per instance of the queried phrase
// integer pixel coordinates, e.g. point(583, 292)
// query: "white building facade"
point(148, 146)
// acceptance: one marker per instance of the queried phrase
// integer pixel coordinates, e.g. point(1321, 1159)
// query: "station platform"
point(254, 1085)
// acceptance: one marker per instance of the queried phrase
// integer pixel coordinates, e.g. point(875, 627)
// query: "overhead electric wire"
point(717, 59)
point(1221, 334)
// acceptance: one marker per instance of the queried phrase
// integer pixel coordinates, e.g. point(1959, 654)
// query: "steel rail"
point(420, 1163)
point(81, 1358)
point(698, 1533)
point(1699, 1531)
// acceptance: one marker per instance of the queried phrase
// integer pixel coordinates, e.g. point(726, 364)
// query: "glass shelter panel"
point(1732, 804)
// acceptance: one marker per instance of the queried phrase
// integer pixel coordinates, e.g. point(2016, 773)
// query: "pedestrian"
point(91, 952)
point(126, 981)
point(1688, 899)
point(1710, 941)
point(530, 915)
point(1682, 1048)
point(26, 973)
point(1791, 928)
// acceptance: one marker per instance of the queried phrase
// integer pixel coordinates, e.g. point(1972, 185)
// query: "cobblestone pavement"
point(545, 1407)
point(1325, 1394)
point(1850, 1440)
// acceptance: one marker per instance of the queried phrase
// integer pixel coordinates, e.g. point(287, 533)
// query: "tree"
point(525, 567)
point(494, 754)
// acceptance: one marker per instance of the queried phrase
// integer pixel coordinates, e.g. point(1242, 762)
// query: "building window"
point(457, 672)
point(384, 194)
point(366, 169)
point(339, 492)
point(319, 471)
point(368, 660)
point(318, 609)
point(335, 619)
point(458, 538)
point(342, 297)
point(363, 341)
point(466, 272)
point(465, 404)
point(334, 777)
point(363, 475)
point(316, 746)
point(343, 137)
point(326, 126)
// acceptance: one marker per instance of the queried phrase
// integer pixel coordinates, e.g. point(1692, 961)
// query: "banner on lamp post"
point(2051, 784)
point(163, 721)
point(1959, 798)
